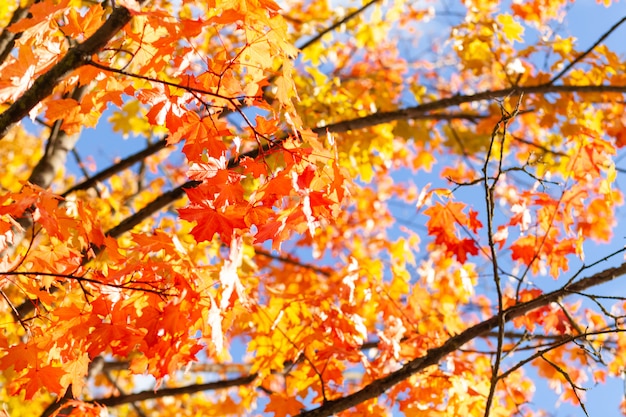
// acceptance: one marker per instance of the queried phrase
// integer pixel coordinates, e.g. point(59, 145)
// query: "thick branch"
point(434, 356)
point(168, 392)
point(378, 387)
point(75, 57)
point(58, 145)
point(421, 111)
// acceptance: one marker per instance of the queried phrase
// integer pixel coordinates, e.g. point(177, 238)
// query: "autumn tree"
point(335, 208)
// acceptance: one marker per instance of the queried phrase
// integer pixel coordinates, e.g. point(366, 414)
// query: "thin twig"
point(588, 51)
point(336, 25)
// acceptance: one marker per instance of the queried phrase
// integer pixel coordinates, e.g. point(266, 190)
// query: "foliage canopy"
point(252, 256)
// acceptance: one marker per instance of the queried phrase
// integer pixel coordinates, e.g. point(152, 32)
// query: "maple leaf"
point(210, 222)
point(285, 86)
point(512, 29)
point(86, 25)
point(59, 109)
point(77, 370)
point(305, 178)
point(19, 357)
point(258, 215)
point(129, 120)
point(269, 230)
point(277, 187)
point(524, 249)
point(282, 405)
point(40, 13)
point(17, 77)
point(255, 168)
point(202, 134)
point(441, 225)
point(209, 169)
point(154, 242)
point(120, 338)
point(461, 248)
point(46, 377)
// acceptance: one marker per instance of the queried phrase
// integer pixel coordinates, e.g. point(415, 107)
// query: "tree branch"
point(435, 355)
point(588, 51)
point(422, 111)
point(336, 25)
point(117, 167)
point(75, 57)
point(168, 392)
point(58, 145)
point(130, 285)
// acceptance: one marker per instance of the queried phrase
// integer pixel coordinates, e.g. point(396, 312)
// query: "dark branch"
point(131, 285)
point(434, 356)
point(168, 392)
point(422, 111)
point(119, 166)
point(75, 57)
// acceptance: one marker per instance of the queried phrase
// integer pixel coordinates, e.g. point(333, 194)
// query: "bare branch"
point(130, 285)
point(574, 387)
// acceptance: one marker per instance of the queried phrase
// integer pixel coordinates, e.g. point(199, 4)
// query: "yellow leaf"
point(512, 30)
point(130, 119)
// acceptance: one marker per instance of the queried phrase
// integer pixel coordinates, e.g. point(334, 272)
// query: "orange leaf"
point(282, 405)
point(60, 108)
point(40, 12)
point(48, 377)
point(209, 222)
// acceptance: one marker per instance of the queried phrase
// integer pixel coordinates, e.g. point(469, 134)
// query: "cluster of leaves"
point(271, 270)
